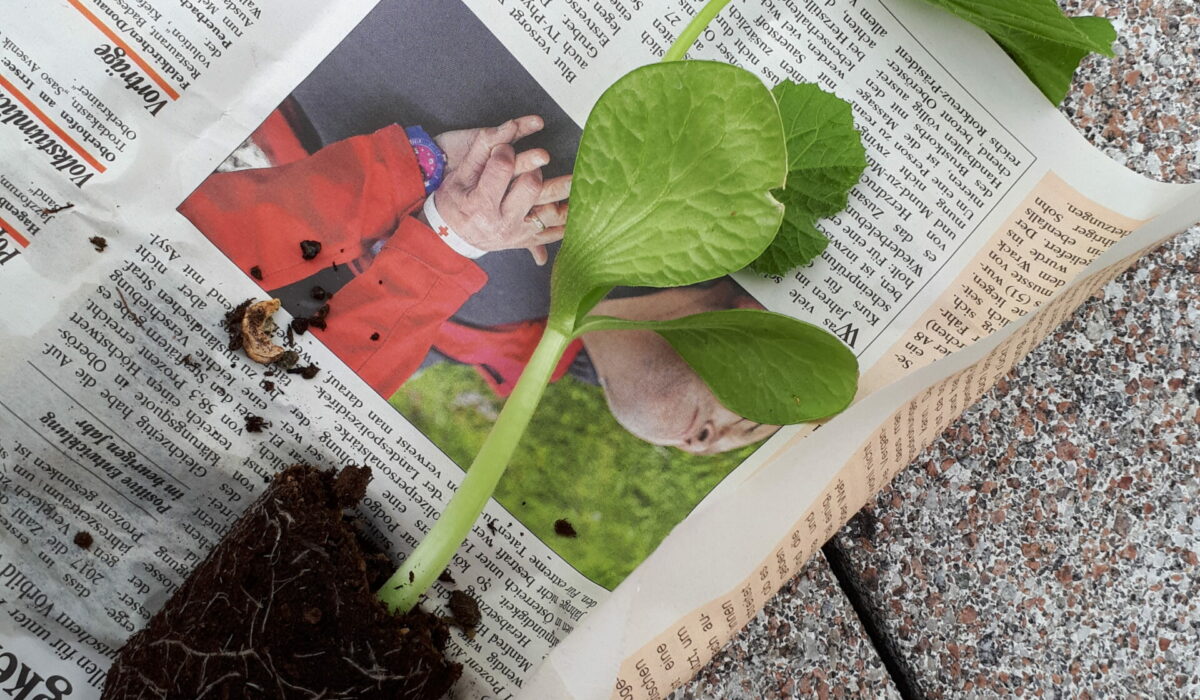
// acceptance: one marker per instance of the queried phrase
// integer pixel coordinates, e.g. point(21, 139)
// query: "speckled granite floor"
point(808, 642)
point(1048, 544)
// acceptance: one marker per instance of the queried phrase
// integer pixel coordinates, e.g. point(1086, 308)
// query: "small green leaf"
point(672, 183)
point(1045, 43)
point(798, 243)
point(826, 158)
point(761, 365)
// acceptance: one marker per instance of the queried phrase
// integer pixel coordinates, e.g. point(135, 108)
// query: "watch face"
point(427, 159)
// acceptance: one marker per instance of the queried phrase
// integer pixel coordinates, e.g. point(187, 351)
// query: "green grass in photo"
point(621, 494)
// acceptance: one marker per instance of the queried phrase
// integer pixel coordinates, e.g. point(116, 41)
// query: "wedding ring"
point(533, 218)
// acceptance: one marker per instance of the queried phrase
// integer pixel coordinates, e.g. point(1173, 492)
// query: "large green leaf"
point(672, 183)
point(1052, 66)
point(1044, 42)
point(761, 365)
point(826, 158)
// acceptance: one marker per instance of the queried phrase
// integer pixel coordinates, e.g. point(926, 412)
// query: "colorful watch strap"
point(430, 157)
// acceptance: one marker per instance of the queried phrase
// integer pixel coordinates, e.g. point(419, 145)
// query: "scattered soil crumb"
point(189, 361)
point(288, 360)
point(268, 385)
point(58, 210)
point(308, 372)
point(564, 528)
point(445, 577)
point(310, 249)
point(256, 273)
point(99, 243)
point(411, 577)
point(317, 320)
point(464, 612)
point(254, 424)
point(233, 324)
point(375, 336)
point(491, 526)
point(83, 540)
point(319, 293)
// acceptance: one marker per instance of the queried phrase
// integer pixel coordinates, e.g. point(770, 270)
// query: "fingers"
point(541, 240)
point(555, 190)
point(530, 160)
point(550, 235)
point(526, 125)
point(478, 154)
point(486, 140)
point(497, 173)
point(521, 196)
point(551, 214)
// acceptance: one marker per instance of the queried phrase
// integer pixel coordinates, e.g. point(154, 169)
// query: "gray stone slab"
point(1048, 544)
point(807, 642)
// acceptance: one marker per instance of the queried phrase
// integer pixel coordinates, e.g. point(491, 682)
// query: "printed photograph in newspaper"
point(386, 208)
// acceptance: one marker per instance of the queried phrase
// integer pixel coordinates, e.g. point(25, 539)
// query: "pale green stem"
point(433, 555)
point(693, 30)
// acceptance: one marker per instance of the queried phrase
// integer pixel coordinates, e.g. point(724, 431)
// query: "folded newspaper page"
point(161, 162)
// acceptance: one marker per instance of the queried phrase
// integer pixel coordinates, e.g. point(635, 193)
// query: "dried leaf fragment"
point(256, 332)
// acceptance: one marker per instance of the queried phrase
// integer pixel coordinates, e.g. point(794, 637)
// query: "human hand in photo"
point(494, 197)
point(551, 215)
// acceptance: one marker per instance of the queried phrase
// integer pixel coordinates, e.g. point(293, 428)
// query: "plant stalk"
point(693, 30)
point(434, 553)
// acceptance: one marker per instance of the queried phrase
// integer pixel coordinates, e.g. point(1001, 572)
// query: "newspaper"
point(159, 162)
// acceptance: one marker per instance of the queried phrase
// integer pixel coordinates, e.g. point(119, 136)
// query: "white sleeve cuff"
point(447, 234)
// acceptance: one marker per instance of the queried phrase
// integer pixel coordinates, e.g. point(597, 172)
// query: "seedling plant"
point(688, 171)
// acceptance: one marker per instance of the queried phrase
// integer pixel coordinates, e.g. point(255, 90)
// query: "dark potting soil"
point(464, 611)
point(288, 360)
point(233, 324)
point(564, 528)
point(284, 607)
point(83, 540)
point(308, 372)
point(300, 326)
point(310, 249)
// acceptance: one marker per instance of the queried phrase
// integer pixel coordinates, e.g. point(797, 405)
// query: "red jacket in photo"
point(356, 197)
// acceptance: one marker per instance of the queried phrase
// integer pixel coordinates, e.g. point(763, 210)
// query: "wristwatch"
point(430, 157)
